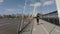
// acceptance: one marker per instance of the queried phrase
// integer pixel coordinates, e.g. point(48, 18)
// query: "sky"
point(27, 6)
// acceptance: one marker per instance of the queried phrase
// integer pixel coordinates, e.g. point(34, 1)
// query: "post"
point(58, 8)
point(22, 15)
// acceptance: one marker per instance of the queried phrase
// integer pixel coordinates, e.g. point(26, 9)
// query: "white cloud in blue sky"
point(43, 3)
point(48, 3)
point(11, 9)
point(1, 1)
point(36, 4)
point(17, 6)
point(45, 6)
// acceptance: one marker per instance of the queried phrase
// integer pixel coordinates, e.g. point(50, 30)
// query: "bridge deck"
point(45, 28)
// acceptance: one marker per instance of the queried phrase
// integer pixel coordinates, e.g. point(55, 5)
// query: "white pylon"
point(34, 10)
point(58, 7)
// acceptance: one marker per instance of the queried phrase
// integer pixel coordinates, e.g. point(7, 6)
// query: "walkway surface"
point(45, 28)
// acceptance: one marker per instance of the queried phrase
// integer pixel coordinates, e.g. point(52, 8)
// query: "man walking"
point(37, 19)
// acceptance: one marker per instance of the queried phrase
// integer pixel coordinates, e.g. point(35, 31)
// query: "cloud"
point(43, 3)
point(12, 9)
point(36, 4)
point(48, 3)
point(1, 1)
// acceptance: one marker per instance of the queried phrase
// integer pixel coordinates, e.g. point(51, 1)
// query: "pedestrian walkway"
point(45, 28)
